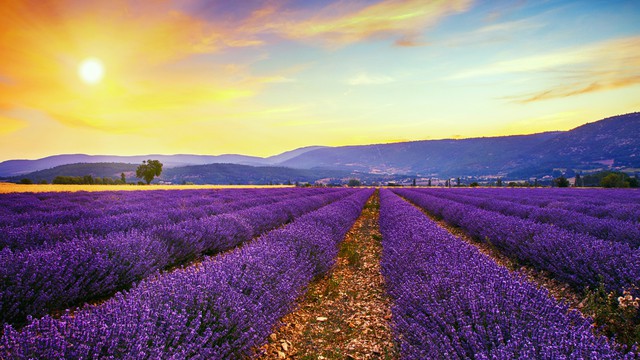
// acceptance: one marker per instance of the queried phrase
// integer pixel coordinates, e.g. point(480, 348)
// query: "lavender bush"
point(51, 278)
point(219, 309)
point(452, 302)
point(54, 217)
point(621, 204)
point(602, 228)
point(578, 259)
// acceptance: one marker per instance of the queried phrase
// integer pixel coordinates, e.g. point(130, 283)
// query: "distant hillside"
point(110, 170)
point(243, 174)
point(278, 159)
point(609, 144)
point(12, 168)
point(431, 157)
point(16, 167)
point(205, 174)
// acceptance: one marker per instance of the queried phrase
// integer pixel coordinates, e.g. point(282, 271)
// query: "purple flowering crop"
point(44, 219)
point(220, 309)
point(452, 302)
point(578, 259)
point(48, 278)
point(602, 228)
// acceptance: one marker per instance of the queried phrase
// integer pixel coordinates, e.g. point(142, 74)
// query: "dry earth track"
point(346, 314)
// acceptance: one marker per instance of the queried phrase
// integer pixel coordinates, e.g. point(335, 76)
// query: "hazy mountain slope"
point(17, 167)
point(616, 138)
point(466, 156)
point(610, 143)
point(276, 159)
point(110, 170)
point(243, 174)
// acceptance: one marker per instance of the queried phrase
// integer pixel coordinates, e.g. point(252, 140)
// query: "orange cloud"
point(595, 67)
point(343, 23)
point(578, 89)
point(9, 124)
point(605, 66)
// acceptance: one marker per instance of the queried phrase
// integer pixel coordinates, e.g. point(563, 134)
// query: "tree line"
point(147, 171)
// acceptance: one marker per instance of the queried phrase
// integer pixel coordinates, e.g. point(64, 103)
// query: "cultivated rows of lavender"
point(576, 258)
point(602, 228)
point(452, 302)
point(48, 277)
point(614, 204)
point(219, 309)
point(28, 221)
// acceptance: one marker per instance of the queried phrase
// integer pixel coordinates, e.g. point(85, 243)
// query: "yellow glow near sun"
point(91, 71)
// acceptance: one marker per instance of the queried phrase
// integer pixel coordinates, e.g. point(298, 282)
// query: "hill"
point(612, 143)
point(204, 174)
point(608, 144)
point(426, 158)
point(250, 175)
point(11, 168)
point(102, 170)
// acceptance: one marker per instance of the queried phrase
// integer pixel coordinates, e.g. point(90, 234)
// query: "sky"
point(260, 77)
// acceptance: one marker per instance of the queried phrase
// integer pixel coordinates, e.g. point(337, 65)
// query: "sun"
point(91, 71)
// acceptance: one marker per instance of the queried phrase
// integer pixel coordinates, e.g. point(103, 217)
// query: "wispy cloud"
point(594, 67)
point(369, 79)
point(343, 23)
point(280, 80)
point(498, 32)
point(410, 42)
point(9, 124)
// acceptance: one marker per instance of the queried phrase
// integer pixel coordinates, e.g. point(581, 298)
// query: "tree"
point(561, 182)
point(458, 182)
point(614, 180)
point(123, 178)
point(148, 170)
point(414, 182)
point(474, 184)
point(578, 181)
point(26, 181)
point(499, 182)
point(353, 182)
point(429, 183)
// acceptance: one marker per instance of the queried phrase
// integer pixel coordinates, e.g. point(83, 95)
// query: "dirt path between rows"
point(346, 314)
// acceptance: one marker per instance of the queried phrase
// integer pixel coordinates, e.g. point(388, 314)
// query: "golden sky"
point(263, 77)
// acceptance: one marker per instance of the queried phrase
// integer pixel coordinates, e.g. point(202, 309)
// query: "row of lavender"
point(578, 259)
point(61, 207)
point(452, 302)
point(220, 309)
point(50, 278)
point(602, 228)
point(607, 204)
point(36, 219)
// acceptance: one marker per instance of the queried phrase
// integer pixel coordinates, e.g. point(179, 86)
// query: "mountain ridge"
point(610, 143)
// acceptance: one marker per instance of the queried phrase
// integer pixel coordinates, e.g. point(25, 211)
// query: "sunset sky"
point(126, 77)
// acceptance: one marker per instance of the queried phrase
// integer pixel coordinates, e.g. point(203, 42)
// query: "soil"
point(346, 314)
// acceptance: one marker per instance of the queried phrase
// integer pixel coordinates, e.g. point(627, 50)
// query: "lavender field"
point(208, 274)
